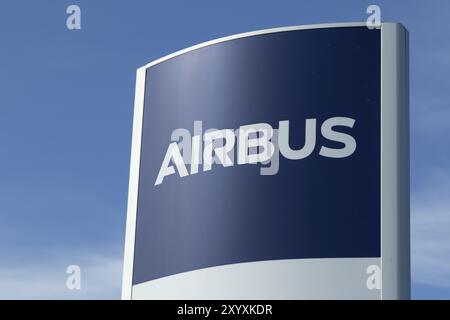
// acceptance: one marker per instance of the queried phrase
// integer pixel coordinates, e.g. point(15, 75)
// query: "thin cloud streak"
point(430, 225)
point(100, 278)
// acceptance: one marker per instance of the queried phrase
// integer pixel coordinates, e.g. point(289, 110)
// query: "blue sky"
point(66, 103)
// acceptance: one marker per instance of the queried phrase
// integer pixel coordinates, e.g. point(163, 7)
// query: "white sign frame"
point(395, 203)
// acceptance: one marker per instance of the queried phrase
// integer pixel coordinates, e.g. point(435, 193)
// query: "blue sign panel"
point(307, 104)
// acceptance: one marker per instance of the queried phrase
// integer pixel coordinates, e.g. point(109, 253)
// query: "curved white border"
point(328, 278)
point(255, 33)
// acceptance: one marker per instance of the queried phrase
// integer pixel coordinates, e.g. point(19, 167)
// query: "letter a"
point(166, 169)
point(74, 20)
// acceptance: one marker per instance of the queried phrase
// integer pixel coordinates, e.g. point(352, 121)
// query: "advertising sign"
point(272, 165)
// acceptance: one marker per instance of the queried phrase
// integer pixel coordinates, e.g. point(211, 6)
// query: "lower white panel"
point(337, 278)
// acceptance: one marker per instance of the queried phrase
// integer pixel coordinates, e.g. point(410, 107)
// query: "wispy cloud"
point(100, 277)
point(430, 227)
point(430, 119)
